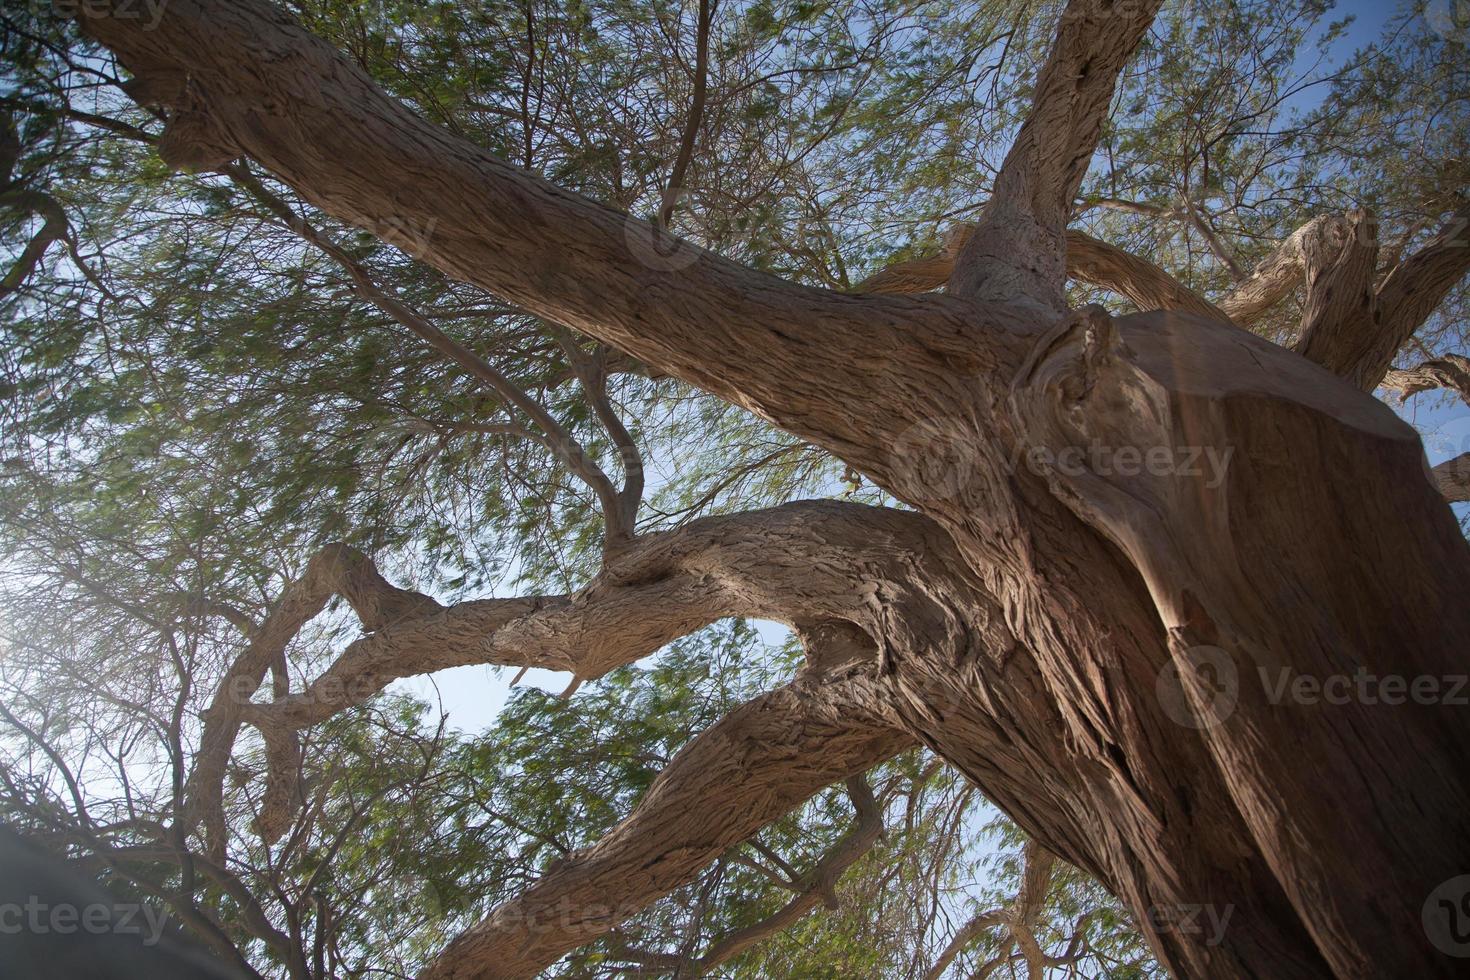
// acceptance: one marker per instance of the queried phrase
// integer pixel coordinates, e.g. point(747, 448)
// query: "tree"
point(1017, 613)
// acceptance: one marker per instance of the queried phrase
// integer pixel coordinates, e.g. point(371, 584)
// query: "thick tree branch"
point(1452, 371)
point(1146, 285)
point(1018, 253)
point(760, 762)
point(1351, 325)
point(812, 565)
point(231, 77)
point(1088, 260)
point(1410, 293)
point(797, 564)
point(1274, 276)
point(1339, 259)
point(973, 929)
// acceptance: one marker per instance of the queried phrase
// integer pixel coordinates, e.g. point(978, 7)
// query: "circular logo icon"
point(1452, 438)
point(1210, 674)
point(939, 458)
point(1446, 917)
point(657, 249)
point(1450, 19)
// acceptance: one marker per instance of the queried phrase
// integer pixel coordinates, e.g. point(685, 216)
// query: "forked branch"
point(1089, 260)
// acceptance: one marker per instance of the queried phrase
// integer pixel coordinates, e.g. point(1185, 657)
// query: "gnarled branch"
point(1451, 371)
point(335, 570)
point(1018, 253)
point(1411, 291)
point(1275, 275)
point(814, 565)
point(1089, 260)
point(757, 764)
point(1339, 259)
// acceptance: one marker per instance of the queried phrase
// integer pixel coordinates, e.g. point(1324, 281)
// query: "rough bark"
point(852, 580)
point(1274, 276)
point(1339, 259)
point(1018, 249)
point(1032, 659)
point(1452, 372)
point(812, 565)
point(1355, 327)
point(1238, 597)
point(756, 765)
point(1088, 260)
point(1411, 291)
point(1453, 478)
